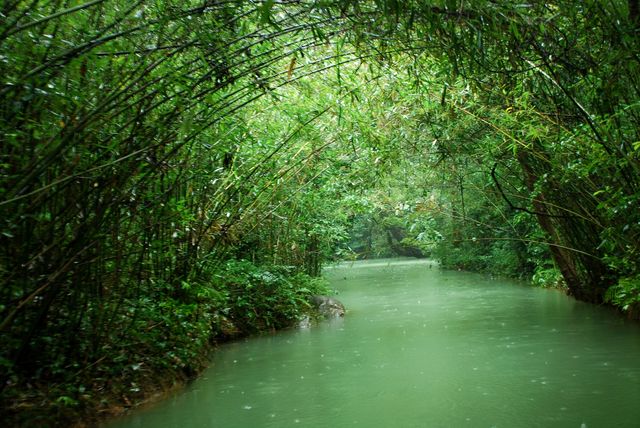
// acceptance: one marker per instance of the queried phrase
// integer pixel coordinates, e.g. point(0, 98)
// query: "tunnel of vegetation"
point(176, 172)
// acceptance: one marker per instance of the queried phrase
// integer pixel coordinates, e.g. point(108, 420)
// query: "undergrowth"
point(156, 342)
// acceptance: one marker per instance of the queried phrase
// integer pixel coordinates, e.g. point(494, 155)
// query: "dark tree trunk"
point(565, 258)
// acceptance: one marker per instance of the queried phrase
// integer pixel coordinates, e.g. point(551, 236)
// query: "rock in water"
point(327, 306)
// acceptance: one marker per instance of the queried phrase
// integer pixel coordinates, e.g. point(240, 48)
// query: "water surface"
point(422, 347)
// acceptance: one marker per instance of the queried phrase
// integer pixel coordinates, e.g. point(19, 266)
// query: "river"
point(423, 347)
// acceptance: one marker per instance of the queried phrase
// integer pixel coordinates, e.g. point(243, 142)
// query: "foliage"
point(162, 161)
point(547, 277)
point(265, 298)
point(157, 337)
point(626, 295)
point(121, 184)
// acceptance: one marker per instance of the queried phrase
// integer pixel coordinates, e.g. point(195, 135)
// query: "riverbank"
point(99, 398)
point(157, 350)
point(58, 405)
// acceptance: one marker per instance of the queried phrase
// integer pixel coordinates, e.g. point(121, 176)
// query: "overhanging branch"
point(517, 208)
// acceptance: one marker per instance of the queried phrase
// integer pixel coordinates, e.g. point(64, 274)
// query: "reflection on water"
point(421, 347)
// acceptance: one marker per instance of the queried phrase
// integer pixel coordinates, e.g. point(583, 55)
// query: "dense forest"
point(175, 173)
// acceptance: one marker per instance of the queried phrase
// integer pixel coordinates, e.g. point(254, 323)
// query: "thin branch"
point(52, 16)
point(517, 208)
point(77, 175)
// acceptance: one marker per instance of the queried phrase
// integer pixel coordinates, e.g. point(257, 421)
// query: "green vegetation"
point(175, 172)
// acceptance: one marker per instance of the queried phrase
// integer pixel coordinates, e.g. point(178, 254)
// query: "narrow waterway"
point(422, 347)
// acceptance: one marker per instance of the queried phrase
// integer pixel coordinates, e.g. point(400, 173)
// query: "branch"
point(52, 16)
point(516, 208)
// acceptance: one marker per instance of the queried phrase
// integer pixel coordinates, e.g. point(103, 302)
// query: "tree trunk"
point(561, 256)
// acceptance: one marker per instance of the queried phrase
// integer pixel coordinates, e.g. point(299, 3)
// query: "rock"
point(327, 306)
point(304, 323)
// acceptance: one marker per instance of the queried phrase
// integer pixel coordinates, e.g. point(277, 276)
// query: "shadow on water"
point(422, 347)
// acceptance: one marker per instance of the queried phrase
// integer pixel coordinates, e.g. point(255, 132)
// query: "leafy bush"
point(547, 277)
point(157, 336)
point(625, 295)
point(265, 297)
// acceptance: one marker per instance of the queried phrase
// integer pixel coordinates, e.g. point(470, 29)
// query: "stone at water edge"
point(328, 306)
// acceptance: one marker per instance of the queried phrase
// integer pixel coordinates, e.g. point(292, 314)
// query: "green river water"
point(423, 347)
